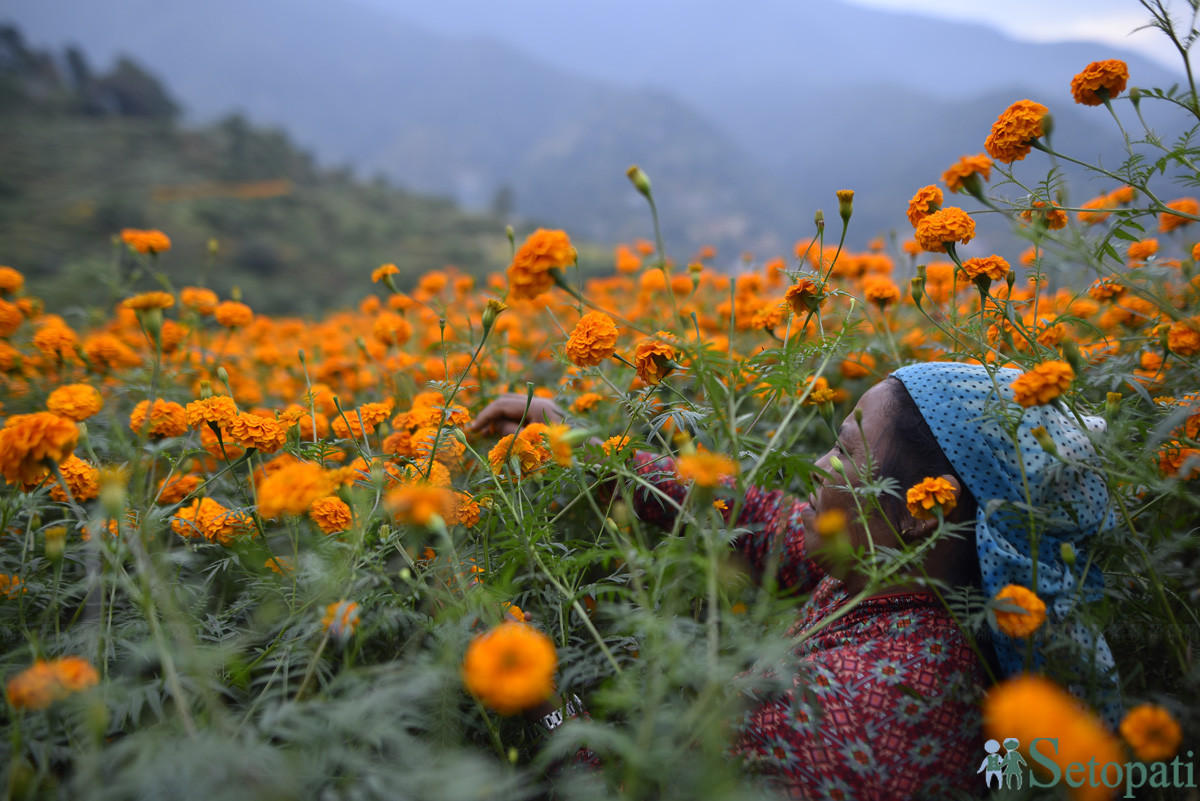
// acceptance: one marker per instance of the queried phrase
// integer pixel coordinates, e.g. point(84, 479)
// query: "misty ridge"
point(747, 119)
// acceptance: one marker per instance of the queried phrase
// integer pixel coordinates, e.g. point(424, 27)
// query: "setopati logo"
point(1009, 769)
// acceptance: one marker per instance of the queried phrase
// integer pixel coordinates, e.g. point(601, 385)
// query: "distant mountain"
point(747, 116)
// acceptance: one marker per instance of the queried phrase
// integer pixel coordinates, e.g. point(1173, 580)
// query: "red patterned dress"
point(883, 702)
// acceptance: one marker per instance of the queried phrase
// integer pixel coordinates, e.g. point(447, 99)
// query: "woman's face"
point(832, 491)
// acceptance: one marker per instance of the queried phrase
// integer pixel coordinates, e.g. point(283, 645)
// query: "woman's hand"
point(504, 415)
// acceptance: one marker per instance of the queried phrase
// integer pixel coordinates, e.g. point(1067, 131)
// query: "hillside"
point(87, 154)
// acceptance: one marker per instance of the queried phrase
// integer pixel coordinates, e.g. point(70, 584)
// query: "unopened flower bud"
point(1068, 553)
point(639, 179)
point(1135, 96)
point(205, 389)
point(223, 374)
point(1112, 404)
point(213, 246)
point(836, 464)
point(491, 311)
point(1043, 438)
point(1070, 349)
point(56, 542)
point(845, 204)
point(1047, 126)
point(819, 219)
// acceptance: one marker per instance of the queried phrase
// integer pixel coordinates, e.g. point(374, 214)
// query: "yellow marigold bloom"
point(930, 493)
point(1183, 337)
point(615, 445)
point(1168, 222)
point(292, 488)
point(11, 281)
point(706, 469)
point(1043, 383)
point(821, 391)
point(28, 442)
point(166, 418)
point(232, 314)
point(207, 518)
point(1026, 707)
point(992, 267)
point(417, 503)
point(391, 329)
point(146, 241)
point(341, 619)
point(1099, 81)
point(804, 296)
point(331, 514)
point(381, 272)
point(1151, 732)
point(531, 271)
point(10, 586)
point(82, 478)
point(944, 227)
point(251, 430)
point(593, 340)
point(926, 201)
point(1025, 622)
point(831, 523)
point(510, 668)
point(965, 170)
point(653, 360)
point(1052, 216)
point(149, 300)
point(198, 299)
point(75, 401)
point(176, 488)
point(1014, 131)
point(880, 290)
point(586, 402)
point(47, 681)
point(219, 410)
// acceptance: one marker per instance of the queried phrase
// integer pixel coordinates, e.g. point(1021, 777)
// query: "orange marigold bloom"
point(331, 514)
point(1027, 619)
point(10, 318)
point(1151, 732)
point(232, 314)
point(176, 488)
point(947, 226)
point(706, 469)
point(926, 201)
point(626, 260)
point(1099, 81)
point(1168, 222)
point(56, 340)
point(615, 445)
point(106, 351)
point(804, 296)
point(10, 586)
point(992, 267)
point(198, 299)
point(1043, 383)
point(586, 402)
point(1183, 337)
point(510, 668)
point(653, 360)
point(218, 409)
point(1173, 458)
point(11, 281)
point(857, 365)
point(1026, 707)
point(1089, 217)
point(293, 487)
point(417, 503)
point(75, 401)
point(82, 478)
point(928, 493)
point(880, 290)
point(965, 170)
point(381, 272)
point(1105, 289)
point(593, 340)
point(1050, 215)
point(1014, 131)
point(1140, 251)
point(205, 518)
point(821, 391)
point(149, 300)
point(166, 418)
point(29, 441)
point(255, 431)
point(341, 619)
point(450, 449)
point(531, 271)
point(391, 329)
point(47, 681)
point(146, 241)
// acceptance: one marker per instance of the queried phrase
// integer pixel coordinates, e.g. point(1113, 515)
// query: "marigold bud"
point(1068, 553)
point(1043, 438)
point(56, 541)
point(819, 219)
point(845, 204)
point(640, 180)
point(491, 312)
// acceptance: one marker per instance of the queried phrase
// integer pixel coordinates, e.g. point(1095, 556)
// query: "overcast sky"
point(1058, 20)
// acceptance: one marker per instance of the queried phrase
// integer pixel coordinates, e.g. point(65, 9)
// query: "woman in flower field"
point(880, 698)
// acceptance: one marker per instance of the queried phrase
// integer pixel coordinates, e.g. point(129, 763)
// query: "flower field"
point(271, 557)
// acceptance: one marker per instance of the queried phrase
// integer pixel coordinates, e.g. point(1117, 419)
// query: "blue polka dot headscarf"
point(966, 407)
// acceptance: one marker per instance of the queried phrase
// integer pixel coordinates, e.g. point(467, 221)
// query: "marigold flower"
point(419, 502)
point(166, 419)
point(991, 267)
point(804, 296)
point(1140, 251)
point(1183, 337)
point(106, 351)
point(1049, 215)
point(1151, 732)
point(392, 329)
point(929, 493)
point(706, 469)
point(1086, 214)
point(28, 442)
point(47, 681)
point(857, 365)
point(218, 410)
point(382, 272)
point(965, 170)
point(251, 430)
point(625, 260)
point(232, 314)
point(174, 489)
point(146, 241)
point(11, 281)
point(10, 318)
point(880, 290)
point(10, 586)
point(830, 523)
point(1043, 383)
point(653, 360)
point(75, 401)
point(341, 620)
point(331, 514)
point(1173, 458)
point(362, 420)
point(1168, 222)
point(207, 518)
point(593, 340)
point(947, 226)
point(1014, 131)
point(531, 271)
point(82, 479)
point(149, 300)
point(1105, 289)
point(820, 393)
point(586, 402)
point(615, 445)
point(510, 668)
point(1099, 81)
point(1023, 623)
point(926, 201)
point(198, 299)
point(292, 488)
point(56, 340)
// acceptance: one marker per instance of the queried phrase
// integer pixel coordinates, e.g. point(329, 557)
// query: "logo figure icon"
point(1013, 761)
point(992, 763)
